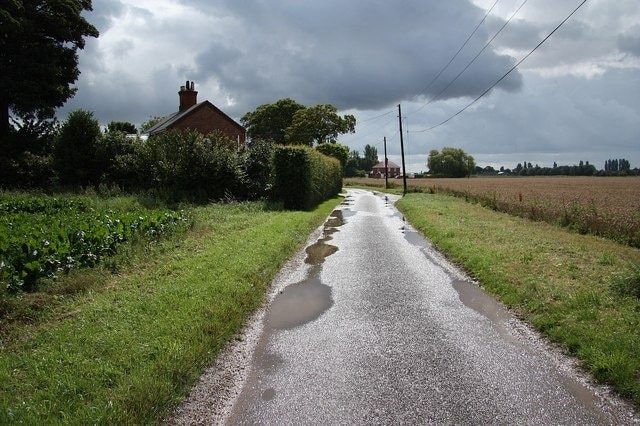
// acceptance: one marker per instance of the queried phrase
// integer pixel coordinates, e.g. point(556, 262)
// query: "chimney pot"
point(188, 96)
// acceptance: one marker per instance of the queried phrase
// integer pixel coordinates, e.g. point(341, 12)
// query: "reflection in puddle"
point(473, 297)
point(303, 302)
point(316, 253)
point(299, 304)
point(268, 394)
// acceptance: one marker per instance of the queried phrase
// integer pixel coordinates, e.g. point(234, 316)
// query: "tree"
point(335, 150)
point(39, 40)
point(353, 167)
point(122, 126)
point(319, 124)
point(269, 122)
point(451, 162)
point(152, 121)
point(75, 149)
point(370, 158)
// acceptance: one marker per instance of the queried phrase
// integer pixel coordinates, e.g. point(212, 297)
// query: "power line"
point(375, 129)
point(475, 57)
point(506, 74)
point(378, 116)
point(484, 18)
point(460, 49)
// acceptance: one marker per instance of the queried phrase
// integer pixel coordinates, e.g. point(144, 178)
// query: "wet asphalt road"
point(377, 328)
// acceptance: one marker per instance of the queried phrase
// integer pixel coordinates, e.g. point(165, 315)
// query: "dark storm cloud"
point(576, 94)
point(354, 54)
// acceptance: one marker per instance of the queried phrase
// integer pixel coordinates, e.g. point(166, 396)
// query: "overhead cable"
point(460, 49)
point(474, 58)
point(506, 74)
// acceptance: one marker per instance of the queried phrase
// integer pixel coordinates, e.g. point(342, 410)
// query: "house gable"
point(392, 168)
point(207, 118)
point(203, 117)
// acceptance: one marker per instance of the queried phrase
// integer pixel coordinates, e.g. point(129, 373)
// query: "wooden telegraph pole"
point(386, 165)
point(404, 169)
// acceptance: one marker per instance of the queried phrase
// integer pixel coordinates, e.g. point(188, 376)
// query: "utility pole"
point(404, 169)
point(386, 165)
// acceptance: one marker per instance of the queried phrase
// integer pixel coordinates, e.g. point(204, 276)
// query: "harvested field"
point(605, 206)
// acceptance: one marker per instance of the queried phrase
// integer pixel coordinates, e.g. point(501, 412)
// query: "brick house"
point(203, 117)
point(378, 170)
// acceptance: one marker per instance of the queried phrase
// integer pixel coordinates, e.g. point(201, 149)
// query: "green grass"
point(579, 290)
point(127, 350)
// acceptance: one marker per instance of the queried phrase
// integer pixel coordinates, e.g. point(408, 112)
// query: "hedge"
point(304, 177)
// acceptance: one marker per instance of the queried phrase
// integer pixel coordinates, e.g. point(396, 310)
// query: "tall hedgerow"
point(304, 177)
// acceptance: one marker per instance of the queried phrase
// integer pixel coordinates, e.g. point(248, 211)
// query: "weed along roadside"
point(127, 352)
point(581, 291)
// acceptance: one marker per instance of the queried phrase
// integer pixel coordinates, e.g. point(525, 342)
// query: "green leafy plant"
point(41, 237)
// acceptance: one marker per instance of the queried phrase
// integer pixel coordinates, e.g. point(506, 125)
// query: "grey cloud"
point(630, 42)
point(355, 54)
point(104, 13)
point(366, 57)
point(551, 116)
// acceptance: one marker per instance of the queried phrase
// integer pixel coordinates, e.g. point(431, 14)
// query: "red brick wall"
point(206, 119)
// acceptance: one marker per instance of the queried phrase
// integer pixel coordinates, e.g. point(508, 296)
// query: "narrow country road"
point(375, 327)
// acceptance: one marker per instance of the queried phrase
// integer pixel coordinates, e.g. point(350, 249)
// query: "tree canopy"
point(370, 158)
point(270, 121)
point(451, 162)
point(319, 124)
point(39, 40)
point(288, 122)
point(122, 126)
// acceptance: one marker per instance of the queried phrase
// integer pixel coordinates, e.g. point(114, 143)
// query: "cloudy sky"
point(575, 98)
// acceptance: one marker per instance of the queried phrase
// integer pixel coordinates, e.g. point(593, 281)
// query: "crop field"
point(604, 206)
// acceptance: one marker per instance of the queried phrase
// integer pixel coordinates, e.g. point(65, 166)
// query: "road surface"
point(376, 327)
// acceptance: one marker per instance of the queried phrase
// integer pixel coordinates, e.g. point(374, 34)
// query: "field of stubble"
point(605, 206)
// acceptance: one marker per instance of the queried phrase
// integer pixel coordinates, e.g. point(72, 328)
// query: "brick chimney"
point(188, 96)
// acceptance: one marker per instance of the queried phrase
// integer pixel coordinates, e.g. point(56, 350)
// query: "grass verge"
point(581, 291)
point(127, 351)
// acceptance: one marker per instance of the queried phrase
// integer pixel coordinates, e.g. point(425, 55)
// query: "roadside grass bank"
point(128, 350)
point(581, 291)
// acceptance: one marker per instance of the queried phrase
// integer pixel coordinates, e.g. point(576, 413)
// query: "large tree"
point(269, 122)
point(370, 158)
point(451, 162)
point(39, 40)
point(319, 124)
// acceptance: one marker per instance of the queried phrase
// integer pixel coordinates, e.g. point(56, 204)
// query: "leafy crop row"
point(43, 236)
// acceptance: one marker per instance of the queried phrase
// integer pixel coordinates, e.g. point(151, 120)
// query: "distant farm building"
point(203, 117)
point(378, 170)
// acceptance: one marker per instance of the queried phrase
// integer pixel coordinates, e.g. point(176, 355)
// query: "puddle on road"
point(299, 304)
point(303, 302)
point(335, 220)
point(473, 297)
point(414, 238)
point(317, 252)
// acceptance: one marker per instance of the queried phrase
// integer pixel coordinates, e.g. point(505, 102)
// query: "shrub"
point(75, 150)
point(335, 150)
point(187, 165)
point(258, 166)
point(304, 177)
point(27, 170)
